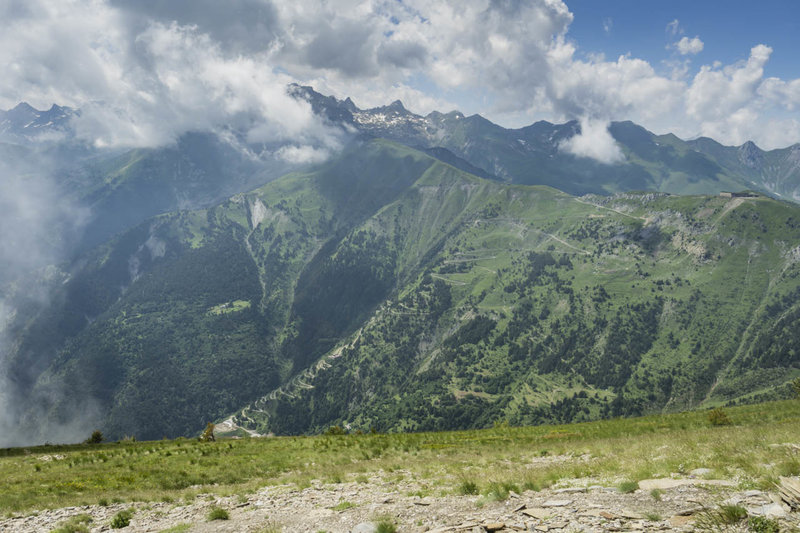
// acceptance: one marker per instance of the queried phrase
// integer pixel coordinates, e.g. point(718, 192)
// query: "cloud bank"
point(146, 71)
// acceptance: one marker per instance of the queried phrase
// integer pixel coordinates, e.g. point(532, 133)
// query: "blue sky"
point(727, 28)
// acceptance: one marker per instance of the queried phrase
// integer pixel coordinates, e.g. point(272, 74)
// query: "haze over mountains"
point(438, 272)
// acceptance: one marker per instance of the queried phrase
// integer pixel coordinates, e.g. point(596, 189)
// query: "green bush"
point(95, 438)
point(718, 417)
point(343, 506)
point(721, 517)
point(500, 491)
point(760, 524)
point(386, 526)
point(208, 433)
point(122, 519)
point(218, 513)
point(626, 487)
point(468, 487)
point(796, 386)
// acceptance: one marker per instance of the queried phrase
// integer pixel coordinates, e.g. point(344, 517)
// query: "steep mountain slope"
point(529, 305)
point(390, 289)
point(122, 190)
point(775, 171)
point(157, 329)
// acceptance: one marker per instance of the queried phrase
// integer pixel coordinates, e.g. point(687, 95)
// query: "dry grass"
point(750, 451)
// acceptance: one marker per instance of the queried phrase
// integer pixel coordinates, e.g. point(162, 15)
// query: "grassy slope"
point(606, 452)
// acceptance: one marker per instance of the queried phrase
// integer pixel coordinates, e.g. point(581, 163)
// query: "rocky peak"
point(21, 113)
point(750, 155)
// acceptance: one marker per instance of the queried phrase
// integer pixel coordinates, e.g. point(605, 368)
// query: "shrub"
point(208, 433)
point(218, 513)
point(95, 438)
point(499, 492)
point(386, 526)
point(626, 487)
point(718, 417)
point(343, 506)
point(468, 487)
point(760, 524)
point(121, 519)
point(720, 518)
point(796, 386)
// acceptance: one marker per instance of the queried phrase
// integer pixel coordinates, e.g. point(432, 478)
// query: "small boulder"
point(365, 527)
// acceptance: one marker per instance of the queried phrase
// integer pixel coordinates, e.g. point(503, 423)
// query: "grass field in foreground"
point(752, 450)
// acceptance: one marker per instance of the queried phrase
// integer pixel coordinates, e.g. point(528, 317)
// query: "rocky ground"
point(670, 504)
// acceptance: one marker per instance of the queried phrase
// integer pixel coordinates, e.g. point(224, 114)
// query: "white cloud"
point(608, 25)
point(146, 71)
point(674, 27)
point(302, 154)
point(594, 141)
point(688, 46)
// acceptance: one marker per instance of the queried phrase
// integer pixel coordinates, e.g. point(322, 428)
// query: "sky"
point(145, 71)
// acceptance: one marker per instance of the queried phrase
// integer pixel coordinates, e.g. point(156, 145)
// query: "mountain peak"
point(350, 105)
point(396, 106)
point(750, 154)
point(22, 111)
point(24, 107)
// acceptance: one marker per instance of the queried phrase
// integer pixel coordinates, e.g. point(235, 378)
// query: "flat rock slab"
point(669, 483)
point(571, 490)
point(556, 503)
point(537, 513)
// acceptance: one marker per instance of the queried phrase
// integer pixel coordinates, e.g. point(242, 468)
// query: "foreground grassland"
point(753, 450)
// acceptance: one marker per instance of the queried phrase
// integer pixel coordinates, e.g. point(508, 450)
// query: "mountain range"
point(440, 272)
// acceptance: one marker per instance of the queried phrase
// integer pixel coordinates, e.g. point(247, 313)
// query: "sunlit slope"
point(528, 305)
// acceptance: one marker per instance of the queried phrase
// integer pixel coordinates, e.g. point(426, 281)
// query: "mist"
point(38, 225)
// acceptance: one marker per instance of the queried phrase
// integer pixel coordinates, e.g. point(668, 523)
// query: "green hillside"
point(387, 289)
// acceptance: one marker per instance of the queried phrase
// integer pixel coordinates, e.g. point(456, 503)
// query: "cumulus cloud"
point(594, 141)
point(146, 71)
point(141, 80)
point(688, 46)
